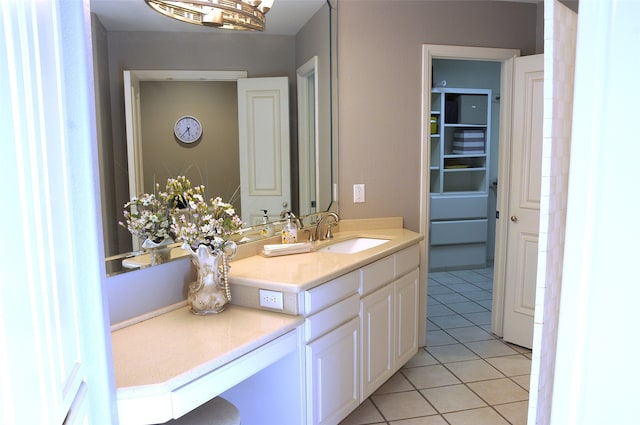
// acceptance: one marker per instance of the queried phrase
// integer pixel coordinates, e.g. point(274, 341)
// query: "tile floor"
point(465, 375)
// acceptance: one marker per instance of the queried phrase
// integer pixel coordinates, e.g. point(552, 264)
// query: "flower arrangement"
point(148, 217)
point(182, 214)
point(206, 223)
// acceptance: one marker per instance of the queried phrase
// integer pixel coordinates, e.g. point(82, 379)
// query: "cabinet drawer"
point(377, 274)
point(447, 257)
point(458, 232)
point(458, 207)
point(407, 260)
point(330, 318)
point(331, 292)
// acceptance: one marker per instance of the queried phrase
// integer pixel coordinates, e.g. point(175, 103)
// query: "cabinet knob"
point(514, 218)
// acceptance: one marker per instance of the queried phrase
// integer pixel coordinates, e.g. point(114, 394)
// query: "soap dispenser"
point(267, 228)
point(289, 231)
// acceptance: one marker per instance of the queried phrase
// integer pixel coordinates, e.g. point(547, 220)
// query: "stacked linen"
point(468, 141)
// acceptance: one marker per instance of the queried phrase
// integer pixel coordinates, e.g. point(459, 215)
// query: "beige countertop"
point(174, 348)
point(165, 364)
point(300, 272)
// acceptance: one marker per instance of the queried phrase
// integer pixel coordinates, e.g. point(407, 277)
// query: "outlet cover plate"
point(271, 299)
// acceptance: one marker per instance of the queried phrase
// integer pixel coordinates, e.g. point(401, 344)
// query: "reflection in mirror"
point(307, 136)
point(154, 101)
point(260, 55)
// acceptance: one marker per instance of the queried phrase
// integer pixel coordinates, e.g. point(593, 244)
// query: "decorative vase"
point(159, 251)
point(210, 293)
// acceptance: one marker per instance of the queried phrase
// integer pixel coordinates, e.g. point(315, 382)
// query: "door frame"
point(507, 58)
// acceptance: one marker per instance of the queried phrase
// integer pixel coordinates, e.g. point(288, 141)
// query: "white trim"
point(305, 84)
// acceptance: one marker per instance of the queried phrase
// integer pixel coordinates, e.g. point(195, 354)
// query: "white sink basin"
point(352, 246)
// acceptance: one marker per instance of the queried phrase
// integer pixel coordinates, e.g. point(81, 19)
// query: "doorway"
point(505, 59)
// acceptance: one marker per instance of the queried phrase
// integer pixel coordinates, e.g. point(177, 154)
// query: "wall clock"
point(188, 129)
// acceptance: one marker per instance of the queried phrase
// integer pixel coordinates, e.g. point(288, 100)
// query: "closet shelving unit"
point(459, 135)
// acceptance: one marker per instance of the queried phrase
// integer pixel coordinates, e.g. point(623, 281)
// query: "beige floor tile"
point(430, 376)
point(451, 321)
point(466, 307)
point(421, 358)
point(512, 365)
point(523, 381)
point(402, 405)
point(366, 413)
point(439, 338)
point(499, 391)
point(483, 416)
point(480, 295)
point(452, 353)
point(468, 334)
point(474, 370)
point(519, 349)
point(452, 398)
point(396, 384)
point(490, 348)
point(482, 318)
point(516, 413)
point(425, 420)
point(439, 310)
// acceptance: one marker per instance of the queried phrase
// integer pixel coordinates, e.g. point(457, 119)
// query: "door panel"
point(263, 119)
point(524, 200)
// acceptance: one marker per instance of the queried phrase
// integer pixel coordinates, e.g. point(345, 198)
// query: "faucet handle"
point(310, 232)
point(329, 234)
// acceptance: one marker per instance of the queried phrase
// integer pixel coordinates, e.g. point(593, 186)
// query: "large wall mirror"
point(137, 39)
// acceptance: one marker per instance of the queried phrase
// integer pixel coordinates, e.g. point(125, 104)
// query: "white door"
point(524, 201)
point(263, 120)
point(54, 364)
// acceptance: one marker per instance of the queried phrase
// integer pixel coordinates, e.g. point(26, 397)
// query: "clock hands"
point(187, 131)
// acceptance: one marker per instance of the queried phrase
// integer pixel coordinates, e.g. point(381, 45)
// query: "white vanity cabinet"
point(388, 317)
point(332, 349)
point(360, 328)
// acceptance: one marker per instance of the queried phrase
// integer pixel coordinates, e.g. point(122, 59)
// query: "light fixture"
point(245, 15)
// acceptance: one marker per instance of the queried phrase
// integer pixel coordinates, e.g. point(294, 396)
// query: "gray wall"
point(212, 161)
point(380, 76)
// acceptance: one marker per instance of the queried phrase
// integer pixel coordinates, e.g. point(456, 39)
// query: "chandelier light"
point(245, 15)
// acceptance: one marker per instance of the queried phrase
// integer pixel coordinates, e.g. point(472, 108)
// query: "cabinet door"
point(376, 321)
point(332, 375)
point(406, 298)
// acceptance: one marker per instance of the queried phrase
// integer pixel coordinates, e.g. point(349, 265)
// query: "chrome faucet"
point(326, 235)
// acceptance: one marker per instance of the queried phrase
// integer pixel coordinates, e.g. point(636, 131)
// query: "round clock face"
point(188, 129)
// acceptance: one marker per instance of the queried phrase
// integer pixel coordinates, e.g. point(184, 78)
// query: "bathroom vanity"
point(344, 322)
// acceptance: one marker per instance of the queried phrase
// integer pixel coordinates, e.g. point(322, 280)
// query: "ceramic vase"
point(160, 252)
point(210, 293)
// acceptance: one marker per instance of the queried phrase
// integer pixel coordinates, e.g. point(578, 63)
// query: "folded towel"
point(286, 249)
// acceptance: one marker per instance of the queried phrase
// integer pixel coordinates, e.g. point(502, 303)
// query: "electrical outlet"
point(271, 299)
point(358, 193)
